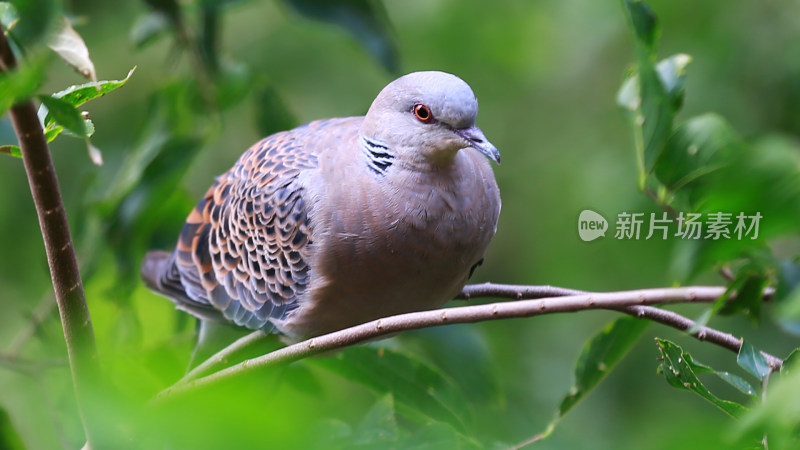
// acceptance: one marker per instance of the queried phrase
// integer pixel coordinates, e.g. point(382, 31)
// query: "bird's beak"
point(477, 140)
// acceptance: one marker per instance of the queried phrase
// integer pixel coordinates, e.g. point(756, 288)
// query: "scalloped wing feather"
point(244, 248)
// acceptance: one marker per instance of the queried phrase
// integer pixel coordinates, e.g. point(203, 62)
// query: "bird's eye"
point(423, 113)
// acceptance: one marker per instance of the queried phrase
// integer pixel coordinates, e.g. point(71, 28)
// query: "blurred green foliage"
point(716, 131)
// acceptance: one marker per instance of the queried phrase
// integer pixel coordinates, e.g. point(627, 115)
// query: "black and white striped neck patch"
point(379, 156)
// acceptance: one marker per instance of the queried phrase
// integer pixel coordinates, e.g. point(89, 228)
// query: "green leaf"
point(699, 146)
point(8, 16)
point(82, 93)
point(453, 348)
point(654, 112)
point(748, 287)
point(77, 96)
point(379, 425)
point(69, 45)
point(36, 19)
point(677, 367)
point(748, 297)
point(656, 117)
point(169, 7)
point(787, 297)
point(10, 150)
point(734, 380)
point(751, 360)
point(156, 163)
point(672, 73)
point(788, 278)
point(63, 113)
point(598, 357)
point(703, 319)
point(9, 437)
point(149, 27)
point(790, 361)
point(778, 416)
point(762, 176)
point(366, 20)
point(420, 390)
point(438, 435)
point(644, 22)
point(20, 84)
point(787, 312)
point(738, 382)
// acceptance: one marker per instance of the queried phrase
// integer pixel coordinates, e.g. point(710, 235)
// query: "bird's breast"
point(393, 244)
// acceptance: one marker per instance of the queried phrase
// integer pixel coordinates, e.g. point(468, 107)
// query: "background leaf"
point(600, 355)
point(699, 146)
point(777, 417)
point(36, 19)
point(751, 360)
point(8, 16)
point(365, 20)
point(653, 118)
point(419, 389)
point(21, 84)
point(734, 380)
point(69, 45)
point(379, 425)
point(11, 150)
point(82, 93)
point(63, 113)
point(675, 366)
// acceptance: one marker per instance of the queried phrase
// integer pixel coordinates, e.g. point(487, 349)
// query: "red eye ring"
point(423, 113)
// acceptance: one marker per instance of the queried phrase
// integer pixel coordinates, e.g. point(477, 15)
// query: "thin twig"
point(659, 315)
point(29, 366)
point(43, 182)
point(704, 333)
point(465, 314)
point(660, 203)
point(223, 355)
point(39, 314)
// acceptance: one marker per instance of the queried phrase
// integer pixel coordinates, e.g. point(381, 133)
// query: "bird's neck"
point(379, 156)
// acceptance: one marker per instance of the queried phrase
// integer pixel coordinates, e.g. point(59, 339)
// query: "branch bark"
point(61, 258)
point(631, 302)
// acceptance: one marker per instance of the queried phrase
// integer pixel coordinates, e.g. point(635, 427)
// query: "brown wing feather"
point(244, 247)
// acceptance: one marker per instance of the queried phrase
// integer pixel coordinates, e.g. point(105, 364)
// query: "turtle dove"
point(342, 221)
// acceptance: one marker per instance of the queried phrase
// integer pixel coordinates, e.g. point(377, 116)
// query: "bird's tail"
point(161, 275)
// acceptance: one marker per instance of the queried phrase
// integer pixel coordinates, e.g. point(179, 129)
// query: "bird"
point(342, 221)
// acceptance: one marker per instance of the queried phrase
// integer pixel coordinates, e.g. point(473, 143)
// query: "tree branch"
point(631, 302)
point(706, 334)
point(61, 258)
point(517, 292)
point(520, 292)
point(659, 315)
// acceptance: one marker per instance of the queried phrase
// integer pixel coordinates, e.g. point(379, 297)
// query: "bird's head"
point(427, 116)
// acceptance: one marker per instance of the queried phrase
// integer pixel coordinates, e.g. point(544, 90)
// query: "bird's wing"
point(244, 248)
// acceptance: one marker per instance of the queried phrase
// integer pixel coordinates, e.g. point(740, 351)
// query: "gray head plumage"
point(447, 124)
